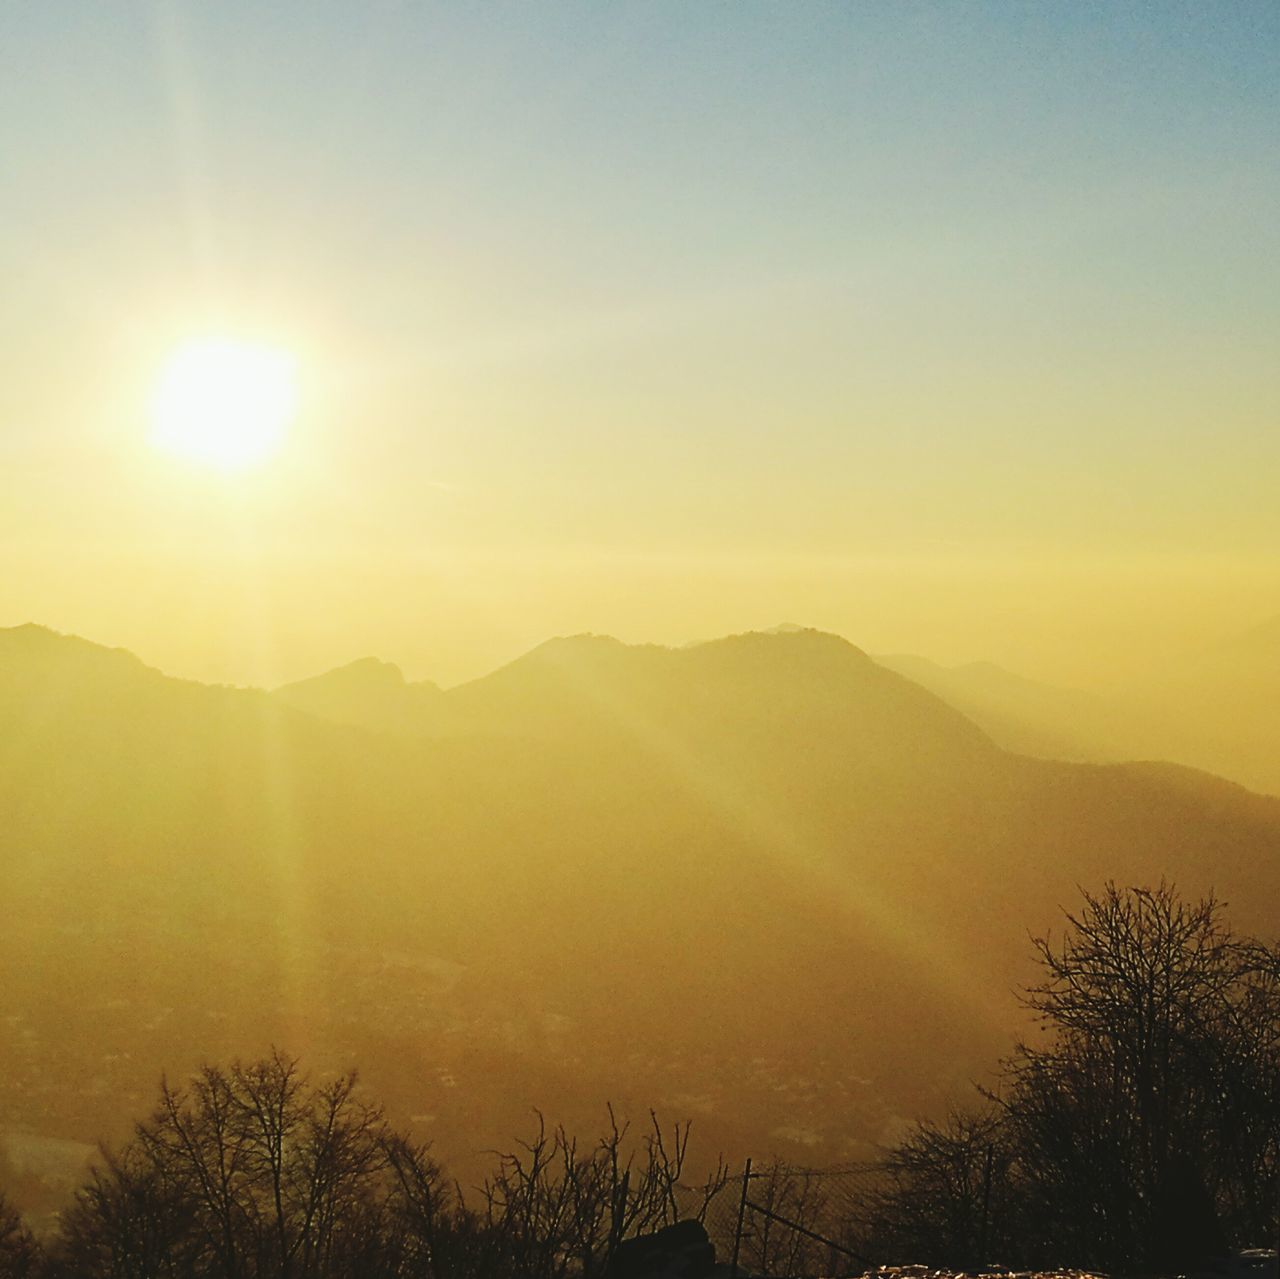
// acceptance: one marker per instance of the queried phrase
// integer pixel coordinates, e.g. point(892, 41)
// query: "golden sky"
point(951, 328)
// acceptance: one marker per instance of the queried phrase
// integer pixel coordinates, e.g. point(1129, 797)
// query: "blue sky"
point(795, 279)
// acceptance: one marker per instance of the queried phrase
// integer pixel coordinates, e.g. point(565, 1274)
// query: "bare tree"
point(943, 1196)
point(256, 1173)
point(562, 1209)
point(19, 1253)
point(130, 1222)
point(243, 1173)
point(1142, 1130)
point(790, 1198)
point(1155, 1102)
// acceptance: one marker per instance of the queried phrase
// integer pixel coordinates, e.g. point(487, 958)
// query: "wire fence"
point(791, 1222)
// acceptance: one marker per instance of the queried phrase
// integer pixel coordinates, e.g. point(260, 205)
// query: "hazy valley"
point(765, 882)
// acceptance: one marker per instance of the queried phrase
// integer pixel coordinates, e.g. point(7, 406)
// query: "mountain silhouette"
point(737, 693)
point(368, 693)
point(1228, 706)
point(1217, 710)
point(763, 880)
point(1031, 717)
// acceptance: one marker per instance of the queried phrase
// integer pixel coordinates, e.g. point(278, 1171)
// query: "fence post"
point(985, 1237)
point(742, 1212)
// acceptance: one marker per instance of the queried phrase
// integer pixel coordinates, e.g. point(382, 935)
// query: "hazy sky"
point(952, 327)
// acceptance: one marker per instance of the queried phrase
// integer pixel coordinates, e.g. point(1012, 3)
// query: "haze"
point(570, 554)
point(948, 328)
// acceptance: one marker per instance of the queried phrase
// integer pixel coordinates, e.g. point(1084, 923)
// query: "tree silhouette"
point(1154, 1106)
point(19, 1254)
point(562, 1210)
point(945, 1196)
point(1141, 1131)
point(245, 1172)
point(257, 1173)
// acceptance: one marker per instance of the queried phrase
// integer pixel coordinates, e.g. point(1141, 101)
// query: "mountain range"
point(1217, 710)
point(765, 882)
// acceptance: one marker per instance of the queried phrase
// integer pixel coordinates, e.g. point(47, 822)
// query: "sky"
point(950, 327)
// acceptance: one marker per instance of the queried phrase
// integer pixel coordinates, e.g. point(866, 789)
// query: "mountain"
point(368, 693)
point(1229, 698)
point(595, 686)
point(726, 694)
point(763, 881)
point(1030, 717)
point(1217, 710)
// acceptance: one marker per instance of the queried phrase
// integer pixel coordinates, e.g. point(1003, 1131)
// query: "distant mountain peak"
point(569, 650)
point(31, 634)
point(32, 639)
point(367, 693)
point(793, 640)
point(373, 669)
point(778, 639)
point(364, 672)
point(32, 630)
point(581, 641)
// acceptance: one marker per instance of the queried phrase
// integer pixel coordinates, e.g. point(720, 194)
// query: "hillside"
point(367, 694)
point(759, 881)
point(1030, 717)
point(1217, 710)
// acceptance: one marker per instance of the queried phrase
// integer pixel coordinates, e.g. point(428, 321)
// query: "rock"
point(681, 1251)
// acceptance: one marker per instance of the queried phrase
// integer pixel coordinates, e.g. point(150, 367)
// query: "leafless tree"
point(563, 1209)
point(790, 1197)
point(1141, 1131)
point(1155, 1100)
point(942, 1196)
point(242, 1173)
point(19, 1253)
point(254, 1172)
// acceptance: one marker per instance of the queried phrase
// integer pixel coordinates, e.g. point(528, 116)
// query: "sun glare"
point(224, 403)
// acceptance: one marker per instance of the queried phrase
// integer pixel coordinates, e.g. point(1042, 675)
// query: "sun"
point(224, 403)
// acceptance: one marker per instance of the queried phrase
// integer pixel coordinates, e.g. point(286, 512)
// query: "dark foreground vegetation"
point(255, 1171)
point(1138, 1132)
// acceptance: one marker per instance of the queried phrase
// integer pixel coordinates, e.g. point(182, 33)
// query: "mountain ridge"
point(803, 842)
